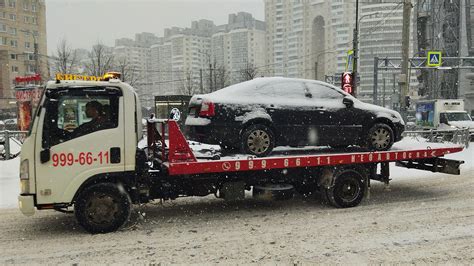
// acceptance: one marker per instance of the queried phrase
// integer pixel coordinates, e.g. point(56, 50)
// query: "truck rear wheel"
point(102, 208)
point(348, 189)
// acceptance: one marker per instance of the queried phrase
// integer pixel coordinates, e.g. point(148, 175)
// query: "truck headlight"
point(24, 177)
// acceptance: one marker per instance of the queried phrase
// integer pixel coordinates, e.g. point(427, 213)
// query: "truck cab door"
point(74, 144)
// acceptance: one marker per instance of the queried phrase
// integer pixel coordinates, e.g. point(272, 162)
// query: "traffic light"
point(407, 101)
point(347, 82)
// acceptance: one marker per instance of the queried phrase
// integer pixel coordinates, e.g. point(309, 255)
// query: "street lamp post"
point(355, 47)
point(317, 62)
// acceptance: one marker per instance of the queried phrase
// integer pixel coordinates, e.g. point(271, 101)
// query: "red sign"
point(28, 99)
point(27, 95)
point(35, 77)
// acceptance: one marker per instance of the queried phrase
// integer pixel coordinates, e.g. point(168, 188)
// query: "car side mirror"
point(45, 155)
point(348, 102)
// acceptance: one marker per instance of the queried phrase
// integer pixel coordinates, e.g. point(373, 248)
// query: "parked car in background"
point(255, 116)
point(11, 124)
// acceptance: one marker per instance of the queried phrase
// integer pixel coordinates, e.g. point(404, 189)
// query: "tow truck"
point(100, 174)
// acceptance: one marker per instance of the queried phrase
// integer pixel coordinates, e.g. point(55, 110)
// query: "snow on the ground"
point(9, 183)
point(9, 170)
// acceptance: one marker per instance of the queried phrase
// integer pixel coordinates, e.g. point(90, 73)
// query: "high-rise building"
point(380, 36)
point(23, 50)
point(285, 37)
point(308, 38)
point(239, 46)
point(134, 63)
point(207, 57)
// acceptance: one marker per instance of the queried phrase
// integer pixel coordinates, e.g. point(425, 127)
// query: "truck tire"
point(380, 137)
point(102, 208)
point(257, 140)
point(348, 189)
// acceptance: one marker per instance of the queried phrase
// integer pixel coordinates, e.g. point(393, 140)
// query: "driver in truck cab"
point(94, 110)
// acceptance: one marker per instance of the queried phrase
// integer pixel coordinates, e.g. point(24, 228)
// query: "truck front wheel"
point(102, 208)
point(348, 189)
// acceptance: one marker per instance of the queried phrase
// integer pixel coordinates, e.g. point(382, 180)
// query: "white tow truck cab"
point(82, 152)
point(60, 154)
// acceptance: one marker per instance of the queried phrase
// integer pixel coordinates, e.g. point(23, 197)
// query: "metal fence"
point(6, 138)
point(456, 136)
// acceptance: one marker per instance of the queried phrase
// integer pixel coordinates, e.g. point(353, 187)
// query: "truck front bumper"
point(26, 204)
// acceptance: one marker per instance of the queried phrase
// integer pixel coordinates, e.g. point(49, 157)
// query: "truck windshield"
point(458, 117)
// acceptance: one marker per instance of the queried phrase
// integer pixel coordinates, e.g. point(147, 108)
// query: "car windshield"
point(458, 117)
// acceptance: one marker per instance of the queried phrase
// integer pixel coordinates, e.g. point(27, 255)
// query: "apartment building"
point(22, 29)
point(206, 57)
point(308, 38)
point(380, 35)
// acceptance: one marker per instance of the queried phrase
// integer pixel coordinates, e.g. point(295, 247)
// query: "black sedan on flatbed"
point(255, 116)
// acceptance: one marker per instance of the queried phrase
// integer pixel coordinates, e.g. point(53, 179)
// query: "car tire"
point(102, 208)
point(380, 137)
point(348, 190)
point(257, 140)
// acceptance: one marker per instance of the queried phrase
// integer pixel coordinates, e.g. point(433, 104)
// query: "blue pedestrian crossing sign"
point(434, 58)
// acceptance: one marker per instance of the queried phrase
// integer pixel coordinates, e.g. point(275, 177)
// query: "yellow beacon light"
point(111, 75)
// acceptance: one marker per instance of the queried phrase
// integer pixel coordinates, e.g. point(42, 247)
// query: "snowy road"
point(424, 218)
point(421, 220)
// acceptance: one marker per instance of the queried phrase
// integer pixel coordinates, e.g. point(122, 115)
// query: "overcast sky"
point(85, 22)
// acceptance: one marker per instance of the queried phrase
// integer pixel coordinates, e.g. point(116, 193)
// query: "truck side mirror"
point(348, 102)
point(45, 155)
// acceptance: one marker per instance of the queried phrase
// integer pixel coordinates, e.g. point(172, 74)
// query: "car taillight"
point(207, 109)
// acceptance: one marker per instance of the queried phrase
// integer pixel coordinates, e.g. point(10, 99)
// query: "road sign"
point(434, 58)
point(349, 60)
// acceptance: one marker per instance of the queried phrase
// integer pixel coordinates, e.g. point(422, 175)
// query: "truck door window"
point(72, 116)
point(443, 119)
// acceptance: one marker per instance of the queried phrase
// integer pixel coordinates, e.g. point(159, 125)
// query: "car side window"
point(285, 90)
point(72, 116)
point(319, 91)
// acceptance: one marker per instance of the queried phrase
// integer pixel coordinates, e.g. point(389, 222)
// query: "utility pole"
point(383, 93)
point(210, 78)
point(35, 45)
point(355, 47)
point(316, 70)
point(404, 77)
point(200, 84)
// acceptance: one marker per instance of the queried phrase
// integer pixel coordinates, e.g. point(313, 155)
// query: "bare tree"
point(249, 72)
point(188, 85)
point(100, 60)
point(129, 72)
point(65, 59)
point(221, 78)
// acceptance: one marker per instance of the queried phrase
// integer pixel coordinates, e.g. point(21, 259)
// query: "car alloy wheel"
point(257, 140)
point(380, 137)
